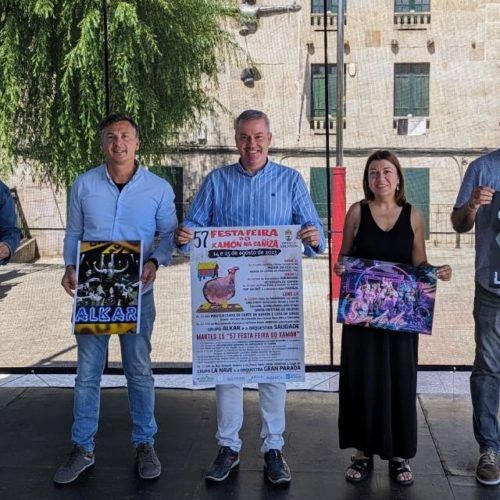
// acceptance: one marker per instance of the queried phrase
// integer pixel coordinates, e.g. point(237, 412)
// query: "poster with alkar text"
point(246, 296)
point(108, 295)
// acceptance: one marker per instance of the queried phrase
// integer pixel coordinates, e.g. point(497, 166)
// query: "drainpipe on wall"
point(338, 204)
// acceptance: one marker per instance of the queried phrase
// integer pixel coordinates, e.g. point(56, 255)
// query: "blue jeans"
point(136, 361)
point(485, 377)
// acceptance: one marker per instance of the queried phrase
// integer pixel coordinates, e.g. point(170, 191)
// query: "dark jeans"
point(485, 377)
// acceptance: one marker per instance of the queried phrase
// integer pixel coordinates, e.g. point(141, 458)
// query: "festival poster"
point(108, 296)
point(495, 243)
point(379, 294)
point(246, 296)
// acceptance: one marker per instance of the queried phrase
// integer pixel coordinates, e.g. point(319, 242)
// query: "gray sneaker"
point(77, 461)
point(276, 468)
point(487, 471)
point(148, 465)
point(226, 460)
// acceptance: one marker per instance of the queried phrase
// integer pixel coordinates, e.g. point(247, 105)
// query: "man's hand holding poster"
point(246, 295)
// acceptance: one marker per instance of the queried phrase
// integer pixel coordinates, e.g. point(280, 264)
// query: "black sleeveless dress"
point(378, 368)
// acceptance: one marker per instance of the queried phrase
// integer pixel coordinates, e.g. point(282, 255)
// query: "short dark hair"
point(118, 117)
point(391, 158)
point(252, 114)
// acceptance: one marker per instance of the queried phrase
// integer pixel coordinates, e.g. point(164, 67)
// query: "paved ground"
point(35, 425)
point(35, 315)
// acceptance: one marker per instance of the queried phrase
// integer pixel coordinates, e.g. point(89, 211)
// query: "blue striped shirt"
point(98, 211)
point(275, 196)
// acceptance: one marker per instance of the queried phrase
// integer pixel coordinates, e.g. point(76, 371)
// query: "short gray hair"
point(118, 117)
point(252, 114)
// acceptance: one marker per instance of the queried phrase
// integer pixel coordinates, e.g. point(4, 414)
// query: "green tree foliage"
point(164, 57)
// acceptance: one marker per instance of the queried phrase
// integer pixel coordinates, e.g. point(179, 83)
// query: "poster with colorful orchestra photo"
point(108, 295)
point(387, 295)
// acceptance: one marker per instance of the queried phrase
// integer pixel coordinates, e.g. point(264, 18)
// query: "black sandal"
point(398, 467)
point(361, 465)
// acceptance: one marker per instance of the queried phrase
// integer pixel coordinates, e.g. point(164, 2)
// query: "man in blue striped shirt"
point(119, 200)
point(253, 192)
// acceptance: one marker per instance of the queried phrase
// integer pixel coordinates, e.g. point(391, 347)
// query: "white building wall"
point(462, 45)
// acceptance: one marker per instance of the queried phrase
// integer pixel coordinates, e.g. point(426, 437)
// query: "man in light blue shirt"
point(253, 192)
point(119, 200)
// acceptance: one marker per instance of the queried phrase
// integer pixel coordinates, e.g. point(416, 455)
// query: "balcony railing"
point(318, 124)
point(317, 21)
point(412, 20)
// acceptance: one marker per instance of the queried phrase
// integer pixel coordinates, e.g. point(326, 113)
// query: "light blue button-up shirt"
point(275, 196)
point(98, 211)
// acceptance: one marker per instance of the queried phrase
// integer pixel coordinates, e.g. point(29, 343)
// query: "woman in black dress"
point(378, 369)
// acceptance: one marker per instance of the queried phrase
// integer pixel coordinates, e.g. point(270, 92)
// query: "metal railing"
point(441, 230)
point(22, 224)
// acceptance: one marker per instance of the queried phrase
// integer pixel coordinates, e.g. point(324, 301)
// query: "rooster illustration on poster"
point(219, 290)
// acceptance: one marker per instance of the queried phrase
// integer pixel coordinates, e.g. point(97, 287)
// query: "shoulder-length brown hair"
point(390, 157)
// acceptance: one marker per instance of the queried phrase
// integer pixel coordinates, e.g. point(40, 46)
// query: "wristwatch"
point(154, 261)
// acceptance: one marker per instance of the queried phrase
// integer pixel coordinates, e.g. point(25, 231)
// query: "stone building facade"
point(421, 78)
